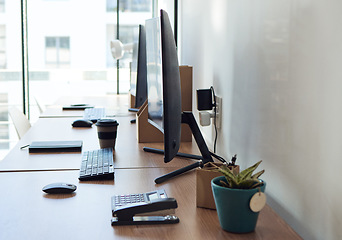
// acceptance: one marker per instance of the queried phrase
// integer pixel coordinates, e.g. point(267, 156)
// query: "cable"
point(218, 157)
point(231, 163)
point(215, 113)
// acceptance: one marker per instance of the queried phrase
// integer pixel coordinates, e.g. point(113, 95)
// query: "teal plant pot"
point(232, 207)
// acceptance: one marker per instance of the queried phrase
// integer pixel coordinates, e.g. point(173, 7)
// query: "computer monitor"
point(164, 95)
point(138, 70)
point(164, 99)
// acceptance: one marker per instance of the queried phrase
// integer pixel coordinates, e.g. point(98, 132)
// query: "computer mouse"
point(82, 123)
point(59, 188)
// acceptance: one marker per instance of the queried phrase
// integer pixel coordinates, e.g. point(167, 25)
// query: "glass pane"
point(64, 56)
point(2, 44)
point(111, 5)
point(132, 13)
point(2, 60)
point(50, 42)
point(10, 71)
point(2, 5)
point(51, 55)
point(64, 43)
point(72, 47)
point(73, 53)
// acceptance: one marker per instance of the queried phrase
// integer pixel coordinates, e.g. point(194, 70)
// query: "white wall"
point(277, 65)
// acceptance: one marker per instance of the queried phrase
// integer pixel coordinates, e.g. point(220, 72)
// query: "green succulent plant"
point(242, 180)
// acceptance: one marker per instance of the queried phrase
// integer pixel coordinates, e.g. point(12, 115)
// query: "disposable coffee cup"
point(106, 132)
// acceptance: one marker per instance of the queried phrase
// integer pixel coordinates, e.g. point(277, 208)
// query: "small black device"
point(78, 106)
point(122, 200)
point(94, 114)
point(59, 188)
point(204, 99)
point(55, 146)
point(97, 165)
point(82, 123)
point(125, 209)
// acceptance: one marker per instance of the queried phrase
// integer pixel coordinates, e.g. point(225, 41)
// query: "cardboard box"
point(204, 194)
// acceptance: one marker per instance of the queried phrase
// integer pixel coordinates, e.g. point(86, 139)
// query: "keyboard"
point(97, 165)
point(94, 114)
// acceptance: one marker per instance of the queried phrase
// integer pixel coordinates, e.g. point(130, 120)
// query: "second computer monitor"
point(138, 69)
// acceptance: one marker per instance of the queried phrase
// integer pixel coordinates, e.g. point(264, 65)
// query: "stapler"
point(125, 215)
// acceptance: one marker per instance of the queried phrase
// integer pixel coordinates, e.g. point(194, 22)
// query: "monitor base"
point(187, 118)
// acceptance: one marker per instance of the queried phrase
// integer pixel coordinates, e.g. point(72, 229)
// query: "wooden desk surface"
point(128, 153)
point(28, 213)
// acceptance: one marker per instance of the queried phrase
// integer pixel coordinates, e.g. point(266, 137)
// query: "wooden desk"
point(128, 153)
point(28, 213)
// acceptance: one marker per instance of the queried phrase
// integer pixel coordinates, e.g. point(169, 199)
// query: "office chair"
point(21, 123)
point(41, 107)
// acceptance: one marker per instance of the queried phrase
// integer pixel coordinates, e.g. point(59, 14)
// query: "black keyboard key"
point(97, 165)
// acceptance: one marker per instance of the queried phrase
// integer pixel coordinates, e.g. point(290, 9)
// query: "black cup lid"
point(107, 123)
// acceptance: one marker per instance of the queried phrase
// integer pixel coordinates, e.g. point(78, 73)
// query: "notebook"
point(77, 106)
point(55, 146)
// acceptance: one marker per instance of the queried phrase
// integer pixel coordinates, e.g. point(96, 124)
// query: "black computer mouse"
point(82, 123)
point(59, 188)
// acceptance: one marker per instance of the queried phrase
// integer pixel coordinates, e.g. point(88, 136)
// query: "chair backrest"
point(20, 121)
point(41, 107)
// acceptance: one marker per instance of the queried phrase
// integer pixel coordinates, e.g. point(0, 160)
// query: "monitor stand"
point(187, 118)
point(133, 109)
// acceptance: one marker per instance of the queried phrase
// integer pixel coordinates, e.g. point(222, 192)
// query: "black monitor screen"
point(154, 73)
point(138, 68)
point(164, 93)
point(134, 67)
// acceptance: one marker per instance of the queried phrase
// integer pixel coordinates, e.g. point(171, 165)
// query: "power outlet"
point(218, 111)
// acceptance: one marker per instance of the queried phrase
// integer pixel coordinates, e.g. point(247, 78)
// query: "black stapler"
point(125, 215)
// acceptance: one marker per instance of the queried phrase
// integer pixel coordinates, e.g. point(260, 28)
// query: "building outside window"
point(68, 52)
point(130, 5)
point(2, 5)
point(2, 46)
point(57, 52)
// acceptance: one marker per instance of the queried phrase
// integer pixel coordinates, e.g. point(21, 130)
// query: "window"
point(2, 5)
point(3, 47)
point(4, 126)
point(57, 52)
point(130, 5)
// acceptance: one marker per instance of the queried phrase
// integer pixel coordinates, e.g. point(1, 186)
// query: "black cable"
point(231, 163)
point(221, 159)
point(215, 113)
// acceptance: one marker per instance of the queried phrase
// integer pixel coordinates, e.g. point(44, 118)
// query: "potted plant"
point(238, 198)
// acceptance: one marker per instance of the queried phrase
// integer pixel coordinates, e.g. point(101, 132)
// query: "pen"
point(25, 146)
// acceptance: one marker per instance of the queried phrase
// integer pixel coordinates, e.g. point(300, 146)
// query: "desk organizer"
point(204, 194)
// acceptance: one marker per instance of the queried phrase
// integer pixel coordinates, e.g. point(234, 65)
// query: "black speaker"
point(204, 99)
